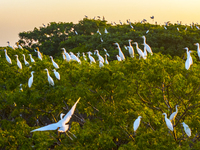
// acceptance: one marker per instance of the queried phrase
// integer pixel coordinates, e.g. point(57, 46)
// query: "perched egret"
point(106, 60)
point(10, 46)
point(54, 63)
point(39, 54)
point(26, 62)
point(145, 51)
point(106, 52)
point(64, 57)
point(7, 57)
point(101, 64)
point(74, 57)
point(101, 39)
point(99, 56)
point(130, 49)
point(119, 58)
point(78, 54)
point(19, 64)
point(50, 80)
point(136, 123)
point(168, 122)
point(98, 32)
point(198, 50)
point(187, 129)
point(63, 124)
point(120, 51)
point(68, 57)
point(56, 74)
point(106, 31)
point(92, 60)
point(84, 57)
point(148, 48)
point(19, 46)
point(189, 60)
point(140, 52)
point(173, 115)
point(30, 81)
point(32, 60)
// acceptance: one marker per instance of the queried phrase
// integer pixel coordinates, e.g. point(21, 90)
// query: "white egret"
point(147, 31)
point(30, 81)
point(78, 54)
point(101, 64)
point(189, 60)
point(19, 64)
point(173, 115)
point(98, 32)
point(39, 54)
point(136, 123)
point(101, 39)
point(50, 80)
point(26, 62)
point(130, 49)
point(99, 56)
point(106, 60)
point(10, 46)
point(7, 57)
point(92, 60)
point(125, 47)
point(140, 52)
point(120, 51)
point(56, 74)
point(54, 63)
point(20, 88)
point(19, 46)
point(145, 51)
point(64, 57)
point(187, 129)
point(168, 122)
point(63, 124)
point(74, 57)
point(119, 58)
point(106, 52)
point(165, 27)
point(148, 48)
point(84, 57)
point(106, 31)
point(32, 60)
point(68, 57)
point(76, 32)
point(198, 50)
point(177, 29)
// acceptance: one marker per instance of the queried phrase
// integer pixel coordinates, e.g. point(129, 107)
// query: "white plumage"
point(26, 62)
point(56, 74)
point(120, 51)
point(32, 60)
point(50, 80)
point(187, 129)
point(19, 64)
point(74, 57)
point(168, 122)
point(173, 115)
point(140, 52)
point(198, 50)
point(30, 81)
point(99, 56)
point(130, 49)
point(92, 60)
point(54, 63)
point(68, 57)
point(7, 57)
point(136, 123)
point(148, 48)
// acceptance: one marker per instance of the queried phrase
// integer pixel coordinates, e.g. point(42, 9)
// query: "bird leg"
point(72, 134)
point(68, 136)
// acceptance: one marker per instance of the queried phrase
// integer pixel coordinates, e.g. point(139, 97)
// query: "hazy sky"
point(23, 15)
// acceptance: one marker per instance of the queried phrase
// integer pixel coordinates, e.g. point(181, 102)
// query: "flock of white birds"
point(62, 124)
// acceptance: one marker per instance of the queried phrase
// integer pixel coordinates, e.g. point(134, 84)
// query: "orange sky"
point(23, 15)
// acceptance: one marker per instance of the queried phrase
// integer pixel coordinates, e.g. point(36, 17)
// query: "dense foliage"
point(112, 97)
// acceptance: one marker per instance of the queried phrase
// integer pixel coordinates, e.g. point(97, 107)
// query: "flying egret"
point(54, 63)
point(68, 57)
point(39, 54)
point(7, 57)
point(50, 80)
point(198, 50)
point(106, 52)
point(136, 123)
point(187, 129)
point(56, 74)
point(26, 62)
point(74, 57)
point(106, 60)
point(99, 56)
point(19, 46)
point(119, 58)
point(120, 51)
point(168, 122)
point(140, 52)
point(148, 48)
point(63, 124)
point(92, 60)
point(30, 81)
point(19, 64)
point(10, 46)
point(173, 115)
point(32, 60)
point(84, 57)
point(130, 49)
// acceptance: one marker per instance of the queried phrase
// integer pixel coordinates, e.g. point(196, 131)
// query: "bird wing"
point(70, 113)
point(52, 126)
